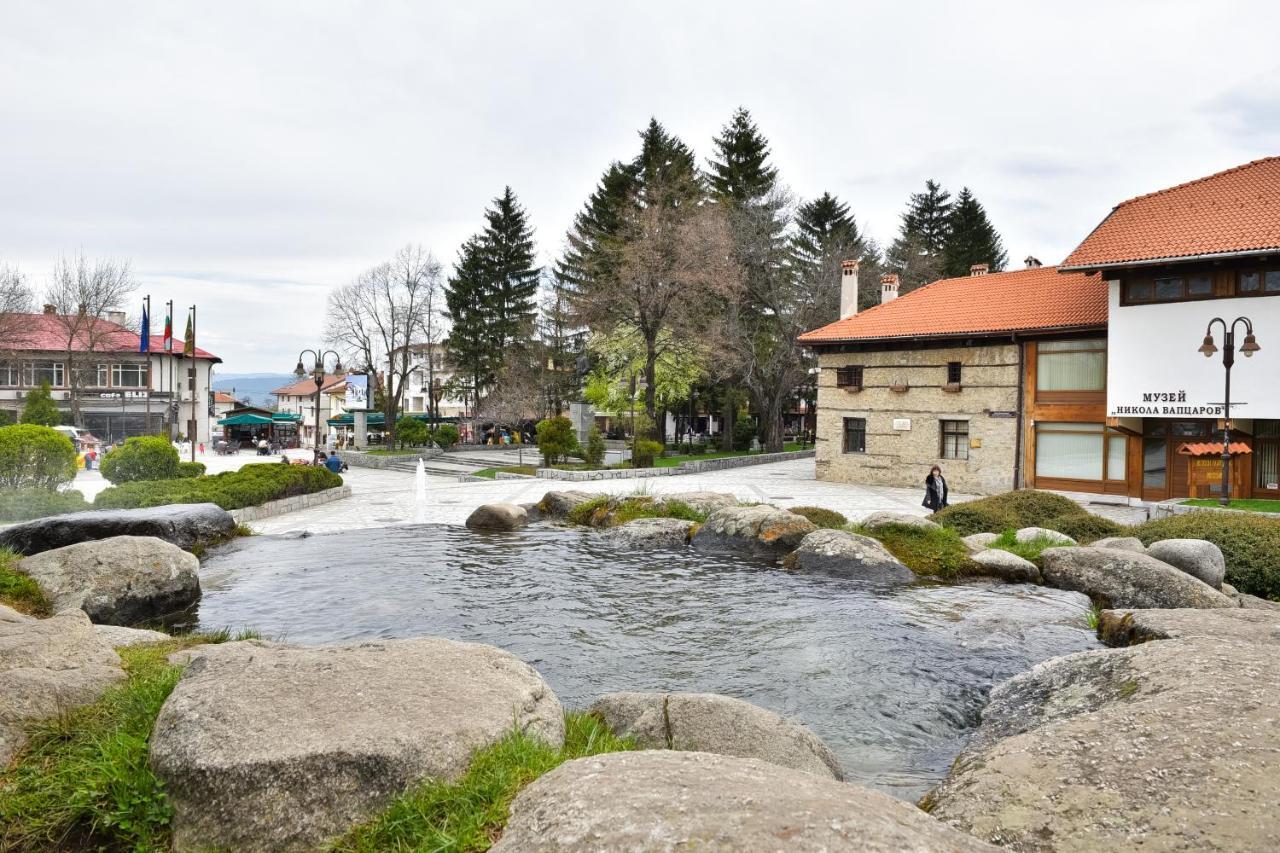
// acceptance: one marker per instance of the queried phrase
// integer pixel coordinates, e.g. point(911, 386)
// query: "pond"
point(892, 678)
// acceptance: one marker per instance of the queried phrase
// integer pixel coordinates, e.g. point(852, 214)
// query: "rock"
point(976, 542)
point(1130, 627)
point(277, 748)
point(1043, 534)
point(669, 801)
point(878, 519)
point(47, 667)
point(531, 512)
point(497, 516)
point(8, 614)
point(1123, 543)
point(560, 504)
point(117, 637)
point(1007, 566)
point(1252, 602)
point(650, 533)
point(707, 502)
point(837, 552)
point(184, 525)
point(118, 581)
point(240, 649)
point(1116, 578)
point(1170, 745)
point(763, 531)
point(707, 722)
point(1197, 557)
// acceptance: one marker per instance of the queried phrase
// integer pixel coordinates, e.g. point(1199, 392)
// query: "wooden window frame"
point(1078, 398)
point(944, 432)
point(1233, 292)
point(850, 377)
point(1071, 483)
point(844, 435)
point(1261, 273)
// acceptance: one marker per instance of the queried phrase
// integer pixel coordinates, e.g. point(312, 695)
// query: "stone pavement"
point(382, 497)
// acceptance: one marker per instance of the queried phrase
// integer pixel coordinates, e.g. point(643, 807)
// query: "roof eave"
point(941, 336)
point(1172, 259)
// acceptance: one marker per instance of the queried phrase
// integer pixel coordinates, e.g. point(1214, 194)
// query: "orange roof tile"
point(1208, 448)
point(1230, 212)
point(306, 386)
point(1019, 301)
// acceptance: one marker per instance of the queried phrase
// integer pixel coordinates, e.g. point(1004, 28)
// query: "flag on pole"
point(189, 344)
point(168, 332)
point(144, 340)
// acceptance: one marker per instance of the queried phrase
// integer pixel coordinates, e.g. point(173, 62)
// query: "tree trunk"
point(651, 390)
point(729, 418)
point(772, 416)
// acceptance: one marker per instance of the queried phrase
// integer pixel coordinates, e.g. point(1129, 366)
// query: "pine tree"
point(469, 346)
point(741, 174)
point(511, 290)
point(40, 408)
point(826, 234)
point(971, 239)
point(916, 255)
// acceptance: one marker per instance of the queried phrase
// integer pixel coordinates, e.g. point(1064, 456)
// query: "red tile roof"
point(306, 386)
point(224, 397)
point(49, 332)
point(1019, 301)
point(1208, 448)
point(1230, 212)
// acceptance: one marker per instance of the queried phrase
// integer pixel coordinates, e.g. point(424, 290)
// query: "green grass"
point(19, 591)
point(610, 511)
point(1026, 550)
point(822, 517)
point(928, 551)
point(672, 461)
point(1251, 505)
point(415, 451)
point(468, 814)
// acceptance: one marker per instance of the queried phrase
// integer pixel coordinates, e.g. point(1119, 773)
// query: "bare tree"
point(515, 397)
point(15, 301)
point(377, 316)
point(83, 293)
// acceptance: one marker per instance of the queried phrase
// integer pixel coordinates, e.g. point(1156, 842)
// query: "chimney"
point(848, 288)
point(1033, 262)
point(888, 287)
point(116, 317)
point(50, 309)
point(978, 269)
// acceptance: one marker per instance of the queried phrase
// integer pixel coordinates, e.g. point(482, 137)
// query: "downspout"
point(1017, 439)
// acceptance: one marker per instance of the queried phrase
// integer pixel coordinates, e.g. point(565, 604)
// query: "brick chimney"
point(848, 288)
point(50, 309)
point(1032, 262)
point(888, 287)
point(979, 269)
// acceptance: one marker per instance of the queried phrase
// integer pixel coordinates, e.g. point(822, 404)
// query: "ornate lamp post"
point(1249, 347)
point(317, 373)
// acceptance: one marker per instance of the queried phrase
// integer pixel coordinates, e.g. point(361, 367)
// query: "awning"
point(348, 419)
point(286, 417)
point(245, 419)
point(1209, 448)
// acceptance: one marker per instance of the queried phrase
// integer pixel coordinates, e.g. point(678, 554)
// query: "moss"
point(1017, 509)
point(928, 551)
point(468, 814)
point(18, 590)
point(1127, 689)
point(827, 518)
point(1085, 528)
point(606, 511)
point(1250, 544)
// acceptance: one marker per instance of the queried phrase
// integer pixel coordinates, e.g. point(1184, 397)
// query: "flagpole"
point(146, 319)
point(191, 372)
point(170, 411)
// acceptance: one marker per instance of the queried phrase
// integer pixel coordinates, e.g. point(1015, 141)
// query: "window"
point(1071, 366)
point(1258, 283)
point(104, 376)
point(36, 373)
point(953, 373)
point(1169, 289)
point(855, 435)
point(10, 375)
point(1271, 282)
point(128, 375)
point(1249, 282)
point(1266, 455)
point(1075, 451)
point(955, 439)
point(849, 377)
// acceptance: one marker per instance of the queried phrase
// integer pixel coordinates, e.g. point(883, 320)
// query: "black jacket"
point(935, 492)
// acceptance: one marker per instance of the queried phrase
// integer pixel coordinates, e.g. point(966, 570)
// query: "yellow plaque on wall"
point(975, 442)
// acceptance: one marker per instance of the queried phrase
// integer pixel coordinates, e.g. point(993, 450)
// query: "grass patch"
point(1029, 550)
point(1093, 618)
point(468, 815)
point(18, 590)
point(928, 551)
point(610, 511)
point(676, 459)
point(382, 451)
point(1249, 505)
point(827, 518)
point(82, 781)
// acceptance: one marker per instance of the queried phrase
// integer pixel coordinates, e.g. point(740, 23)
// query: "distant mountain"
point(256, 386)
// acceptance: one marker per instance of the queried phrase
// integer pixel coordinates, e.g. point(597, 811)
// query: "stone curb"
point(287, 505)
point(694, 467)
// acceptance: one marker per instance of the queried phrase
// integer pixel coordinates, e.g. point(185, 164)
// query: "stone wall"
point(902, 457)
point(361, 459)
point(293, 504)
point(692, 467)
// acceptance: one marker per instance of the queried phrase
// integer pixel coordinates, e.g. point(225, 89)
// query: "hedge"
point(250, 486)
point(35, 457)
point(26, 504)
point(1250, 544)
point(143, 457)
point(1011, 510)
point(190, 469)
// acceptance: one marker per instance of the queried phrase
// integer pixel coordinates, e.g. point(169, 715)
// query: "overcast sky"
point(250, 156)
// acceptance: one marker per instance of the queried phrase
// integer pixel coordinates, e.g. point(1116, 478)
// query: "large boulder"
point(118, 637)
point(976, 542)
point(1116, 578)
point(47, 667)
point(1124, 543)
point(1043, 534)
point(670, 801)
point(278, 748)
point(762, 531)
point(498, 516)
point(880, 519)
point(707, 722)
point(118, 581)
point(838, 552)
point(707, 502)
point(1007, 566)
point(650, 533)
point(1170, 745)
point(1130, 627)
point(1197, 557)
point(557, 504)
point(184, 525)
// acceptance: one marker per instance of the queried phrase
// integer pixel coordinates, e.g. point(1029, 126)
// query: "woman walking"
point(935, 489)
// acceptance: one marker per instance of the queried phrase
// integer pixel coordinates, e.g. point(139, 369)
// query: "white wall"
point(1154, 370)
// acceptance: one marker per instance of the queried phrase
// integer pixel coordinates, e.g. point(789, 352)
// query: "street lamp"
point(317, 373)
point(1249, 347)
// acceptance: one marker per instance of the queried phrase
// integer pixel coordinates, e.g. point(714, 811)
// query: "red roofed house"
point(119, 390)
point(299, 398)
point(1083, 377)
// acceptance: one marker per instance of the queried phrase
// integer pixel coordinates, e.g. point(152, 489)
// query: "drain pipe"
point(1017, 439)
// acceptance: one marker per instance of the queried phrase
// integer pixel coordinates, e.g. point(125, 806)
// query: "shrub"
point(35, 457)
point(412, 432)
point(927, 551)
point(250, 486)
point(644, 452)
point(594, 454)
point(821, 517)
point(26, 504)
point(976, 517)
point(606, 511)
point(743, 431)
point(190, 469)
point(40, 408)
point(556, 440)
point(147, 457)
point(1250, 544)
point(445, 435)
point(1017, 509)
point(1085, 528)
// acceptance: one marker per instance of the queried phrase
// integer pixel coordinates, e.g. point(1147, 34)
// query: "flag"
point(144, 341)
point(189, 345)
point(168, 332)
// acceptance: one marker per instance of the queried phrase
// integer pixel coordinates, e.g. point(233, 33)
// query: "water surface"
point(893, 679)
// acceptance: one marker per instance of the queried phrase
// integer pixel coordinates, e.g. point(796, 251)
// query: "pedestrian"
point(334, 464)
point(935, 489)
point(202, 448)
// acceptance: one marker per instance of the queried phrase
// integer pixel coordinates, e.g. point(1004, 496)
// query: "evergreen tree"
point(741, 174)
point(40, 408)
point(917, 254)
point(971, 238)
point(825, 235)
point(511, 290)
point(469, 346)
point(599, 221)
